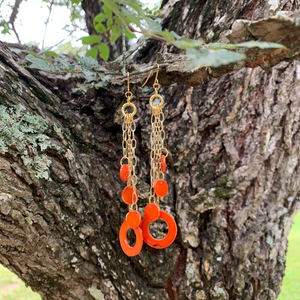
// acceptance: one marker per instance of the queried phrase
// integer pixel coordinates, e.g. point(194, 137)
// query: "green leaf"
point(107, 10)
point(212, 58)
point(33, 53)
point(134, 4)
point(51, 53)
point(261, 45)
point(104, 51)
point(115, 8)
point(250, 44)
point(93, 52)
point(131, 18)
point(183, 43)
point(167, 35)
point(90, 76)
point(118, 21)
point(130, 35)
point(66, 66)
point(99, 18)
point(218, 46)
point(114, 34)
point(76, 1)
point(87, 63)
point(90, 40)
point(100, 28)
point(109, 23)
point(98, 23)
point(40, 64)
point(101, 84)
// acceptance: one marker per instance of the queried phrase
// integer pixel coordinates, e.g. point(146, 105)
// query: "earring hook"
point(128, 94)
point(128, 81)
point(156, 80)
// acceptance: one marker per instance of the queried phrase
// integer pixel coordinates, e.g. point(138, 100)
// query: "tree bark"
point(233, 175)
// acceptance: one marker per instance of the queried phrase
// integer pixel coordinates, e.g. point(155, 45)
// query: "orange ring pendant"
point(133, 220)
point(166, 241)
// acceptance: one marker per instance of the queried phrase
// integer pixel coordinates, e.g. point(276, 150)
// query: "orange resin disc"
point(134, 219)
point(163, 163)
point(127, 195)
point(152, 212)
point(124, 172)
point(166, 241)
point(128, 250)
point(161, 188)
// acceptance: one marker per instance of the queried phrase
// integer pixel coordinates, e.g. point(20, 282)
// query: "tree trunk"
point(233, 175)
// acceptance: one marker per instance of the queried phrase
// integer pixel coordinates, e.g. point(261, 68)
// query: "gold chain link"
point(157, 138)
point(129, 146)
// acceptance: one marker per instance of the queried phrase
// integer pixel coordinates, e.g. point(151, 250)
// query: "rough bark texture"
point(233, 174)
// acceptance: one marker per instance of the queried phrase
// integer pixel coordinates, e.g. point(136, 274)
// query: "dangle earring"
point(159, 187)
point(127, 173)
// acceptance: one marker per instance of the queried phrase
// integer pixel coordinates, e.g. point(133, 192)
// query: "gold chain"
point(129, 146)
point(157, 138)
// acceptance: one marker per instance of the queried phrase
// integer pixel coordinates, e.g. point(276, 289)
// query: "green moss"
point(201, 198)
point(222, 190)
point(204, 173)
point(21, 135)
point(174, 150)
point(10, 77)
point(222, 193)
point(208, 204)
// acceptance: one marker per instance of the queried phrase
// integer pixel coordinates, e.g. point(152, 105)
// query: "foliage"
point(12, 288)
point(212, 58)
point(129, 15)
point(89, 69)
point(21, 135)
point(291, 284)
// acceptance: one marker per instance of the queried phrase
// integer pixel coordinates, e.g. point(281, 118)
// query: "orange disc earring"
point(159, 187)
point(127, 173)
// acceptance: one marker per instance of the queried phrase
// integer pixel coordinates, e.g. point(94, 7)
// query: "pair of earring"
point(158, 188)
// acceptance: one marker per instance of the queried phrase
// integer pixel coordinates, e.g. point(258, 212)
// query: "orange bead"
point(127, 195)
point(134, 219)
point(124, 172)
point(128, 250)
point(166, 241)
point(161, 188)
point(163, 163)
point(152, 212)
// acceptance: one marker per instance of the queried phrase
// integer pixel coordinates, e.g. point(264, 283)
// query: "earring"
point(159, 187)
point(127, 173)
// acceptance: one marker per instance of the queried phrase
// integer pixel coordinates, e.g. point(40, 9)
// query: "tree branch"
point(13, 17)
point(279, 29)
point(46, 24)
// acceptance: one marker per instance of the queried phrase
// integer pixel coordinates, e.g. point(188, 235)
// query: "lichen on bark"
point(21, 135)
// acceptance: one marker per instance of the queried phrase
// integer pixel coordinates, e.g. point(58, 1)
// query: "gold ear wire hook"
point(128, 81)
point(156, 80)
point(147, 78)
point(128, 94)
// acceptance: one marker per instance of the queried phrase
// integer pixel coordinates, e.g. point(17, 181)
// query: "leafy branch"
point(198, 60)
point(131, 14)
